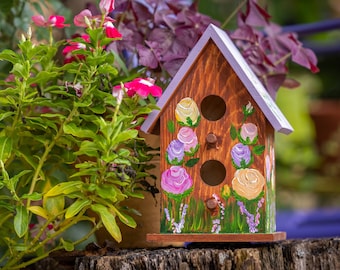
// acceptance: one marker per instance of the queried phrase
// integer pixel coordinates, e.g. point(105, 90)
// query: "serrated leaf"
point(65, 188)
point(21, 221)
point(39, 211)
point(109, 221)
point(76, 207)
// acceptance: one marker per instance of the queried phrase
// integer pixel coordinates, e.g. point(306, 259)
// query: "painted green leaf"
point(76, 207)
point(258, 149)
point(171, 126)
point(233, 132)
point(109, 221)
point(191, 162)
point(21, 221)
point(65, 188)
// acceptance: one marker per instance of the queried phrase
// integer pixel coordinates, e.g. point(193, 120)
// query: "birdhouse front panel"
point(217, 154)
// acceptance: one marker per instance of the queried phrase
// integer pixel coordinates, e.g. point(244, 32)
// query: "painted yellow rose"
point(187, 112)
point(248, 183)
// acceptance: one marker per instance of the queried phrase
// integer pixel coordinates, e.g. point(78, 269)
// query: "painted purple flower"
point(175, 152)
point(241, 155)
point(176, 180)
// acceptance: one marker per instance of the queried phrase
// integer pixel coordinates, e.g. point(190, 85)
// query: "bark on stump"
point(290, 254)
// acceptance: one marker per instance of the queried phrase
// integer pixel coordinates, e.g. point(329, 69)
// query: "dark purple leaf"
point(255, 15)
point(173, 66)
point(146, 57)
point(244, 32)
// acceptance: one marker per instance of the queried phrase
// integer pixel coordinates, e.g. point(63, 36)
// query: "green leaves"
point(109, 221)
point(65, 188)
point(77, 131)
point(76, 207)
point(21, 221)
point(5, 147)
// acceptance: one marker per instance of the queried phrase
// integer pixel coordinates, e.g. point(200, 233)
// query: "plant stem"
point(236, 10)
point(48, 149)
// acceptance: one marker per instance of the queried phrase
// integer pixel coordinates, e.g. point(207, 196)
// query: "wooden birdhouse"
point(217, 125)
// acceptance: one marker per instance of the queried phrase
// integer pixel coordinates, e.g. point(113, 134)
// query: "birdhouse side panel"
point(214, 144)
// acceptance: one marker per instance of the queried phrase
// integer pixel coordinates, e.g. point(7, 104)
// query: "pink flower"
point(106, 6)
point(53, 21)
point(111, 31)
point(248, 132)
point(176, 180)
point(189, 138)
point(143, 87)
point(74, 46)
point(118, 93)
point(85, 17)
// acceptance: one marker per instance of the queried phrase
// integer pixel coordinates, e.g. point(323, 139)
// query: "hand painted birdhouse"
point(217, 125)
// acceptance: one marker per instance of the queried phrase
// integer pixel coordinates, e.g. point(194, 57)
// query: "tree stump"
point(291, 254)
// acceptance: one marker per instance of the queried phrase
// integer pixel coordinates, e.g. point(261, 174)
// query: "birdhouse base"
point(228, 237)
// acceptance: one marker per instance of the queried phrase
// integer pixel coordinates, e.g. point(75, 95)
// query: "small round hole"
point(213, 172)
point(213, 107)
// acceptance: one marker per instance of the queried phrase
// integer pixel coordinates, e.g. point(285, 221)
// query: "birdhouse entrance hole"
point(213, 107)
point(213, 172)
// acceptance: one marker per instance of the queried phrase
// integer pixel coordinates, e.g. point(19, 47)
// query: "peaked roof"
point(241, 68)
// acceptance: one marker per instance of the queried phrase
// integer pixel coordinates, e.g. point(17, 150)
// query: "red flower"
point(74, 46)
point(111, 31)
point(53, 21)
point(143, 87)
point(106, 6)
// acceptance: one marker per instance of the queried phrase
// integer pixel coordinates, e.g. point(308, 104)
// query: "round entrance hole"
point(213, 107)
point(213, 172)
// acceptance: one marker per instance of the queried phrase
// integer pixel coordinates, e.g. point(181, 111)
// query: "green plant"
point(69, 139)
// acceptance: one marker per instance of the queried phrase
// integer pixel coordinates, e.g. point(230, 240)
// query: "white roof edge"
point(242, 69)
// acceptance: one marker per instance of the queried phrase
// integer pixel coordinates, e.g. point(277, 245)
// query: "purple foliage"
point(159, 33)
point(267, 49)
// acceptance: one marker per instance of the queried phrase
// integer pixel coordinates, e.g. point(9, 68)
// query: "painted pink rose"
point(248, 132)
point(176, 180)
point(188, 137)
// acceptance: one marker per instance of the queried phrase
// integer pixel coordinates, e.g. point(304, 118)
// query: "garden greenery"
point(69, 139)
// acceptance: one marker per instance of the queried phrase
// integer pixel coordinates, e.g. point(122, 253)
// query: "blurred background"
point(308, 160)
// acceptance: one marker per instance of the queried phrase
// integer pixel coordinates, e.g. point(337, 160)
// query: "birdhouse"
point(217, 124)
